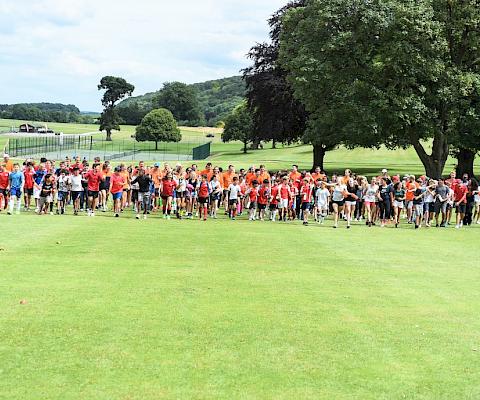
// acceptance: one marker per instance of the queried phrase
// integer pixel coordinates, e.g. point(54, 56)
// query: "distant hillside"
point(217, 99)
point(47, 112)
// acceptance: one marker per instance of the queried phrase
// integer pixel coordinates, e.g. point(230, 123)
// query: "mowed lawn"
point(363, 161)
point(156, 309)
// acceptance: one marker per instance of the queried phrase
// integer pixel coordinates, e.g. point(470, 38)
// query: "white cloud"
point(57, 50)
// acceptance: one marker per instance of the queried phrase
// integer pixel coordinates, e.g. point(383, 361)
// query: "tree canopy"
point(399, 73)
point(276, 114)
point(239, 126)
point(115, 90)
point(182, 101)
point(158, 126)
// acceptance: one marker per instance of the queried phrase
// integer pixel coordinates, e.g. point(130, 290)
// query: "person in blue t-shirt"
point(17, 181)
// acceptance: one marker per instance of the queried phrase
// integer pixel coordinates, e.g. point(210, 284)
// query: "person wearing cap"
point(7, 163)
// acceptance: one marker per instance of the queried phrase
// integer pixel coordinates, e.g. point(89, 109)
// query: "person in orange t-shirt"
point(227, 180)
point(410, 188)
point(295, 175)
point(207, 171)
point(264, 175)
point(250, 176)
point(7, 163)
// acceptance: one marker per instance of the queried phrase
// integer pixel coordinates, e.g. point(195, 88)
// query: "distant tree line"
point(45, 112)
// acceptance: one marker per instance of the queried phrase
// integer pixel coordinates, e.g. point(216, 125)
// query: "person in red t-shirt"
point(460, 193)
point(93, 178)
point(28, 188)
point(306, 199)
point(285, 195)
point(252, 194)
point(204, 190)
point(263, 194)
point(167, 188)
point(274, 198)
point(117, 181)
point(4, 174)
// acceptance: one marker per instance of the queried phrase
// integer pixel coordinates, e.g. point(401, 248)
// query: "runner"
point(234, 197)
point(93, 179)
point(167, 189)
point(204, 190)
point(398, 202)
point(460, 195)
point(252, 194)
point(385, 198)
point(143, 198)
point(4, 183)
point(16, 182)
point(76, 188)
point(46, 195)
point(63, 188)
point(285, 198)
point(306, 199)
point(28, 173)
point(370, 194)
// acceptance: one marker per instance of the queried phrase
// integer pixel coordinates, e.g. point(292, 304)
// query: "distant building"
point(27, 128)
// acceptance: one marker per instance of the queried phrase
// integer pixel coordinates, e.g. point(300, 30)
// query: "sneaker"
point(92, 214)
point(168, 216)
point(457, 226)
point(137, 216)
point(348, 226)
point(51, 212)
point(117, 216)
point(144, 216)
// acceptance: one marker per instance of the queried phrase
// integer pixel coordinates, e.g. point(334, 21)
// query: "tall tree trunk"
point(109, 135)
point(156, 145)
point(434, 163)
point(465, 161)
point(245, 143)
point(274, 144)
point(318, 156)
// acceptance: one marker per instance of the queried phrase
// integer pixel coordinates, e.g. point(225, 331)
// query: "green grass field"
point(363, 161)
point(126, 309)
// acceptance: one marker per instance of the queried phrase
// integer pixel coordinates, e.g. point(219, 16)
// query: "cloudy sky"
point(57, 50)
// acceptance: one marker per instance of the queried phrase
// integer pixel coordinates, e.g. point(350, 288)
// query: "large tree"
point(158, 126)
point(326, 66)
point(182, 101)
point(239, 126)
point(115, 90)
point(277, 115)
point(389, 69)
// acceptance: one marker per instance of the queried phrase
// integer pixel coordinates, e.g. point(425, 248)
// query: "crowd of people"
point(189, 192)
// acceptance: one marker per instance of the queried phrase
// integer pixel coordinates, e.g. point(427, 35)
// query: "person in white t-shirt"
point(76, 189)
point(234, 196)
point(322, 197)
